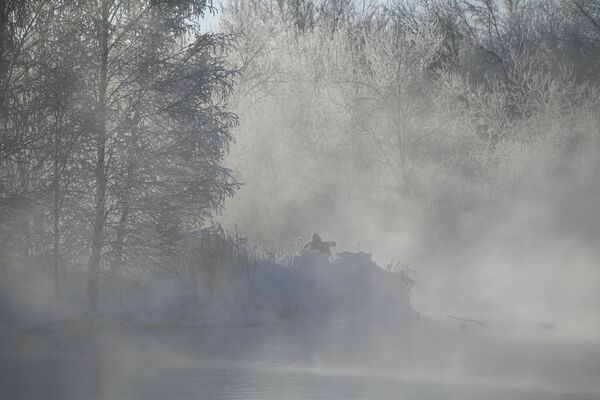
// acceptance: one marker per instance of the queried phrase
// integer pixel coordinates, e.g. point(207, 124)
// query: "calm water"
point(299, 360)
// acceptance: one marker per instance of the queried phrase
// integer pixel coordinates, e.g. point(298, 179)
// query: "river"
point(300, 360)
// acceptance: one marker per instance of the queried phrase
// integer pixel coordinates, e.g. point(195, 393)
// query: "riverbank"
point(308, 286)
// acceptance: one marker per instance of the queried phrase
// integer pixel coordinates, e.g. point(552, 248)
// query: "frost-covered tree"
point(445, 104)
point(117, 127)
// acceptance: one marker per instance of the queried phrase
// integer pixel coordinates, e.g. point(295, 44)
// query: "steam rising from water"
point(514, 251)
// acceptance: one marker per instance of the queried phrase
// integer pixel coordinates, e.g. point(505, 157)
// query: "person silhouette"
point(319, 245)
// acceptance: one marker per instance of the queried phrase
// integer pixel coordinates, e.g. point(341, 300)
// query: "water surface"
point(299, 360)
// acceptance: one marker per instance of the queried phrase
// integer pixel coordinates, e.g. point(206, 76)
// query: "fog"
point(165, 166)
point(528, 258)
point(397, 168)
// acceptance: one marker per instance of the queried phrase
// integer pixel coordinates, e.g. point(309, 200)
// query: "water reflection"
point(297, 360)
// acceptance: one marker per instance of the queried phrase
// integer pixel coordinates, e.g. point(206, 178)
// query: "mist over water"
point(395, 160)
point(527, 257)
point(533, 257)
point(163, 170)
point(296, 359)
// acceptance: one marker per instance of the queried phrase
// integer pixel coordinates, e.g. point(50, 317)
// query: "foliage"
point(441, 106)
point(114, 126)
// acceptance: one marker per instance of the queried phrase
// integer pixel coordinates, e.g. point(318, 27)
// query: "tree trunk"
point(56, 212)
point(93, 282)
point(117, 264)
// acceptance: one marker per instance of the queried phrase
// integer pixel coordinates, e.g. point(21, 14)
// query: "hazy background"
point(458, 137)
point(162, 163)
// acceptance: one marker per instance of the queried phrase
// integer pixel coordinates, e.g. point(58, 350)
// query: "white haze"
point(391, 161)
point(508, 236)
